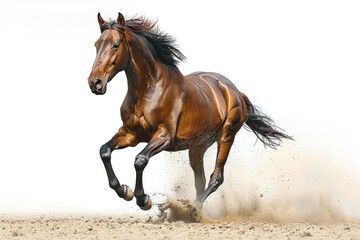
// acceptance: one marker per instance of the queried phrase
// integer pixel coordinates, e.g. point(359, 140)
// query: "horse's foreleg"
point(159, 142)
point(120, 140)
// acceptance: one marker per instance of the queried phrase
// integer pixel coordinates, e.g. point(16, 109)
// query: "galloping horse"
point(168, 110)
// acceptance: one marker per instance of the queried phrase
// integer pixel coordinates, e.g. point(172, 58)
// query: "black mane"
point(162, 45)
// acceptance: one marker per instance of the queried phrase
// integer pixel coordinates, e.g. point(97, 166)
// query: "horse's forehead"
point(104, 36)
point(109, 35)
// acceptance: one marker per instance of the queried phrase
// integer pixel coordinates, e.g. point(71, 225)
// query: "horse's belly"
point(183, 144)
point(196, 127)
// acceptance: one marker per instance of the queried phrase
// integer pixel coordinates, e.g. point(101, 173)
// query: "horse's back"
point(228, 90)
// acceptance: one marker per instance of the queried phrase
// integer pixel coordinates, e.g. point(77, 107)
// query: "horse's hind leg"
point(121, 140)
point(230, 128)
point(196, 161)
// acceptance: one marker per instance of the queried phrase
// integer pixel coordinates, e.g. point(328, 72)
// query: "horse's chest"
point(140, 122)
point(143, 121)
point(140, 118)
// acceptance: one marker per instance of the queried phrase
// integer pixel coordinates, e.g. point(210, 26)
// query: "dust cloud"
point(290, 184)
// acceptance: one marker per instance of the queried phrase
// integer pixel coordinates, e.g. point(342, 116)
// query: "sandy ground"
point(130, 227)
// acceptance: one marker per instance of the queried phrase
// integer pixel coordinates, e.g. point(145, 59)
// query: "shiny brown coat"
point(167, 110)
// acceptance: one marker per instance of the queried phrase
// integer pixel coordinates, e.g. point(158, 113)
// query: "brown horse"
point(168, 110)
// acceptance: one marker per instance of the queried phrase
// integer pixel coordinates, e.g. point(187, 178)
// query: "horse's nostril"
point(98, 84)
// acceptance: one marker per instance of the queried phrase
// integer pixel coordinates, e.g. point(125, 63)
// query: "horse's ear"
point(121, 20)
point(100, 20)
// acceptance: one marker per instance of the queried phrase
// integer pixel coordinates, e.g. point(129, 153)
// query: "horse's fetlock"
point(114, 183)
point(138, 194)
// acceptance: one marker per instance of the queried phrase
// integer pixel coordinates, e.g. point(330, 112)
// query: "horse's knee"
point(105, 152)
point(140, 162)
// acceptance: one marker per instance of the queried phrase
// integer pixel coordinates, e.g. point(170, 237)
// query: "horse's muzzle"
point(97, 87)
point(97, 92)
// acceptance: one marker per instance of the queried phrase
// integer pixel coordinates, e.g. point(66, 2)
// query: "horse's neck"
point(143, 71)
point(141, 66)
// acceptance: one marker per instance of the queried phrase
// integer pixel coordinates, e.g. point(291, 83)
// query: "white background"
point(298, 60)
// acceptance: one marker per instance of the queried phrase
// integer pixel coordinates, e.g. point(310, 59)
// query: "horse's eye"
point(115, 46)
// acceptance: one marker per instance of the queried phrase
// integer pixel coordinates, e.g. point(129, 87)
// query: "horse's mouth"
point(99, 92)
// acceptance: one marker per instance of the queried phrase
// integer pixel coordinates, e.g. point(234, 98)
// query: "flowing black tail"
point(262, 125)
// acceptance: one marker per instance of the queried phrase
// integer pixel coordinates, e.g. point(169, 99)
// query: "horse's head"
point(112, 55)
